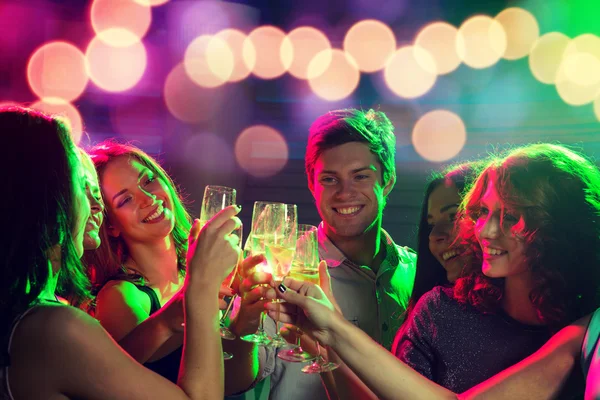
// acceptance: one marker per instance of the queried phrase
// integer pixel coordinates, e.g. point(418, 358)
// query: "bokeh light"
point(235, 40)
point(64, 110)
point(481, 42)
point(57, 69)
point(339, 78)
point(187, 101)
point(584, 70)
point(115, 69)
point(439, 39)
point(208, 153)
point(261, 151)
point(305, 43)
point(572, 92)
point(125, 14)
point(547, 55)
point(522, 30)
point(578, 79)
point(209, 61)
point(371, 43)
point(411, 72)
point(269, 44)
point(439, 135)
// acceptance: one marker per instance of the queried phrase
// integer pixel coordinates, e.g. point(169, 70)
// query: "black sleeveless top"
point(168, 366)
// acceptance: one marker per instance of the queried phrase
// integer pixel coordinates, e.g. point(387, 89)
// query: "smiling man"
point(350, 168)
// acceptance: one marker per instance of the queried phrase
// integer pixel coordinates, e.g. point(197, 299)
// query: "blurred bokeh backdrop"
point(223, 92)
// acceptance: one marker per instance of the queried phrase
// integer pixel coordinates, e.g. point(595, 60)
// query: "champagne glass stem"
point(261, 324)
point(229, 306)
point(277, 321)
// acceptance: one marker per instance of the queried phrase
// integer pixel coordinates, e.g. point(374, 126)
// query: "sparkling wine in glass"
point(255, 244)
point(305, 267)
point(215, 199)
point(280, 226)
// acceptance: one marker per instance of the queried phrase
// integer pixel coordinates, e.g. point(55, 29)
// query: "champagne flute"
point(281, 226)
point(310, 272)
point(215, 199)
point(305, 267)
point(255, 244)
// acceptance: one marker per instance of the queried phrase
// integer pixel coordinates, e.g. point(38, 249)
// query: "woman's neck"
point(516, 302)
point(156, 262)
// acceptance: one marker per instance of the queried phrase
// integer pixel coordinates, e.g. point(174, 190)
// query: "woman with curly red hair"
point(531, 222)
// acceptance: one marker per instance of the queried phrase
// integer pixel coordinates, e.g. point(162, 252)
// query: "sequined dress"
point(457, 346)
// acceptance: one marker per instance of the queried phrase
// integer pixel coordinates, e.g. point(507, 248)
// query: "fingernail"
point(281, 288)
point(239, 207)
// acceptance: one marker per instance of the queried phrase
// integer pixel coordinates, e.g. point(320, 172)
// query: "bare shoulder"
point(57, 324)
point(120, 307)
point(119, 288)
point(59, 350)
point(123, 292)
point(46, 339)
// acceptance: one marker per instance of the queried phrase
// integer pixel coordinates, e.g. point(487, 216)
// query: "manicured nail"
point(282, 288)
point(239, 207)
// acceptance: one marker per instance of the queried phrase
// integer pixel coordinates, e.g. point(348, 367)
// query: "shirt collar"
point(328, 251)
point(334, 256)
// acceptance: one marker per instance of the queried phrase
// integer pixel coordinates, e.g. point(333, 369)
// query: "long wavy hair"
point(556, 193)
point(107, 262)
point(41, 169)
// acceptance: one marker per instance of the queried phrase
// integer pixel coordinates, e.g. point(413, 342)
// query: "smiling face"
point(441, 212)
point(348, 190)
point(82, 206)
point(91, 239)
point(138, 202)
point(503, 250)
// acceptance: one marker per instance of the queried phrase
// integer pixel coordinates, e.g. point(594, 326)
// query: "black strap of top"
point(154, 303)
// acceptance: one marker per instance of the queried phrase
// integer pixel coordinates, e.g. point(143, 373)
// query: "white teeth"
point(348, 210)
point(493, 252)
point(155, 214)
point(449, 254)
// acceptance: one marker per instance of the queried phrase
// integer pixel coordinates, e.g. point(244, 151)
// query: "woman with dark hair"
point(440, 259)
point(531, 219)
point(91, 235)
point(50, 350)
